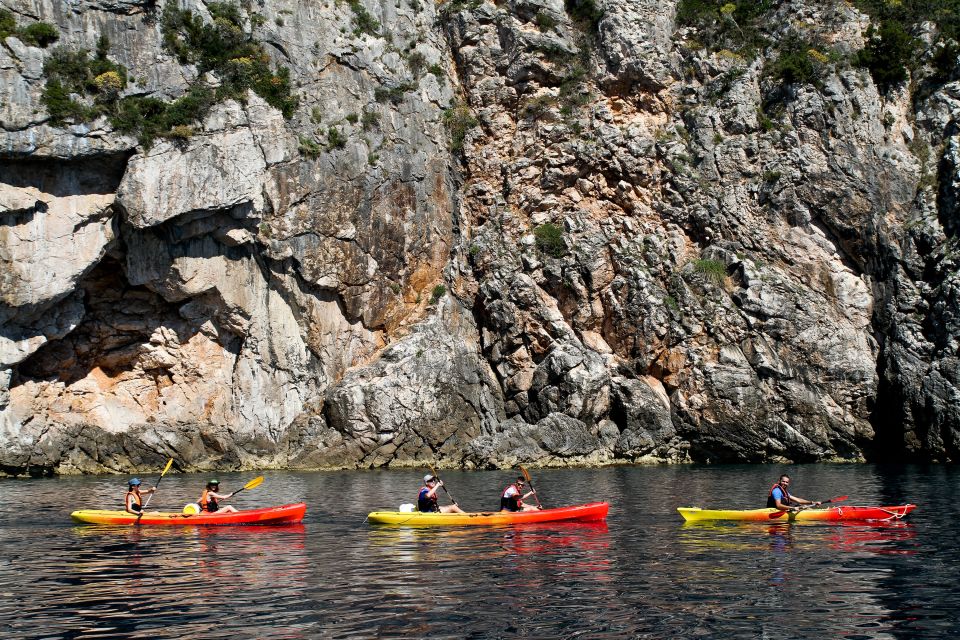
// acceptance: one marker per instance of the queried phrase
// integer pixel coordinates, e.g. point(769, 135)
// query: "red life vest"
point(772, 503)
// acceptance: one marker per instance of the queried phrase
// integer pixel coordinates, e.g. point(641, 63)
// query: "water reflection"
point(643, 573)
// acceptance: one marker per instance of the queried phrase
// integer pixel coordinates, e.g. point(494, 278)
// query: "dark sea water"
point(643, 573)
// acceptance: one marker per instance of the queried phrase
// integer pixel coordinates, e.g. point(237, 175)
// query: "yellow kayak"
point(580, 512)
point(833, 514)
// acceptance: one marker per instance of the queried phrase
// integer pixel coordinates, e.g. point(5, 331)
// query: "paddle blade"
point(167, 468)
point(254, 483)
point(837, 499)
point(526, 475)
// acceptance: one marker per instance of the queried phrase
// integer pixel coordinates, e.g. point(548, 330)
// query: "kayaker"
point(427, 498)
point(780, 498)
point(513, 496)
point(210, 500)
point(134, 500)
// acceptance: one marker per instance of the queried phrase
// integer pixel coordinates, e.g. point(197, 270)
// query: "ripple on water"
point(643, 573)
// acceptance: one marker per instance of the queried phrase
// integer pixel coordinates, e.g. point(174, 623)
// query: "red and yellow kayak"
point(287, 514)
point(582, 513)
point(832, 514)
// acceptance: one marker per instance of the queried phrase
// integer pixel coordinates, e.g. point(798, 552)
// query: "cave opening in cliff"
point(63, 178)
point(119, 320)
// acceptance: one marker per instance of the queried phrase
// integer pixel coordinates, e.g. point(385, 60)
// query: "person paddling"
point(511, 499)
point(780, 498)
point(133, 502)
point(427, 501)
point(210, 500)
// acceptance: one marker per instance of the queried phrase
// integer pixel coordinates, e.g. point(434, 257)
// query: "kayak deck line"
point(285, 514)
point(831, 514)
point(590, 512)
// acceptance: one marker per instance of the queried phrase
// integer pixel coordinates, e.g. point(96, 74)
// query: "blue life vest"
point(425, 503)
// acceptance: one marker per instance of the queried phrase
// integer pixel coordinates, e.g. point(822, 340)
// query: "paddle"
point(449, 495)
point(256, 482)
point(163, 473)
point(804, 507)
point(529, 480)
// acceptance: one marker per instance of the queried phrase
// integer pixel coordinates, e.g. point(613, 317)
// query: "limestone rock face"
point(490, 233)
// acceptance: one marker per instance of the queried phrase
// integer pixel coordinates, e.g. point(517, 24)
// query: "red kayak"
point(287, 514)
point(591, 512)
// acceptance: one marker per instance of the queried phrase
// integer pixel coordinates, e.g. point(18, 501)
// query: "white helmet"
point(428, 478)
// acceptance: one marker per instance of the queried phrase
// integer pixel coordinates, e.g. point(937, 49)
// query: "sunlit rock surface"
point(531, 240)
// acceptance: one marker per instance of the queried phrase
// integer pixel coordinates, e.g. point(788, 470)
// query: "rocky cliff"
point(354, 233)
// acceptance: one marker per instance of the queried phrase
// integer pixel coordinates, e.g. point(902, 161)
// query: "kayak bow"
point(287, 514)
point(833, 514)
point(580, 513)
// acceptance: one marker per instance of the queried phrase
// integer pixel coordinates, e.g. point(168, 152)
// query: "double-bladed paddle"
point(449, 495)
point(250, 485)
point(809, 506)
point(529, 480)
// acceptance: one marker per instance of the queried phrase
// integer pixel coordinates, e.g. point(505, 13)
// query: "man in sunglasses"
point(513, 496)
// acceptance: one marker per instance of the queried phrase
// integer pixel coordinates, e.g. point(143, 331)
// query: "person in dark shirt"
point(427, 498)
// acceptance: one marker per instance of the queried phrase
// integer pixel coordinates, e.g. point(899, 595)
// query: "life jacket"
point(208, 502)
point(771, 503)
point(425, 503)
point(511, 503)
point(137, 504)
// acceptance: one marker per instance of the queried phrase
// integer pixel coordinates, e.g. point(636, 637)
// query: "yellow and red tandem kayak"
point(833, 514)
point(287, 514)
point(581, 513)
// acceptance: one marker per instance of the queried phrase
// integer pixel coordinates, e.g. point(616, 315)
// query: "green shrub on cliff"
point(38, 34)
point(549, 239)
point(584, 10)
point(223, 48)
point(8, 24)
point(892, 48)
point(72, 72)
point(799, 61)
point(80, 87)
point(722, 24)
point(363, 21)
point(713, 270)
point(889, 51)
point(459, 121)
